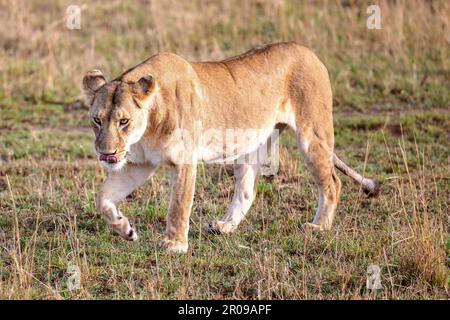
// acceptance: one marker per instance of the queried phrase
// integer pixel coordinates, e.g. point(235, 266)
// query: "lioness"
point(137, 118)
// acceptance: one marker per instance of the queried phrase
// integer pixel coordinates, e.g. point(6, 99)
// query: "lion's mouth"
point(110, 158)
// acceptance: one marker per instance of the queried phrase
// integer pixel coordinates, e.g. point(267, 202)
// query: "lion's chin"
point(114, 166)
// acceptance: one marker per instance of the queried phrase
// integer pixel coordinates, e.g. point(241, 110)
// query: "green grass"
point(48, 220)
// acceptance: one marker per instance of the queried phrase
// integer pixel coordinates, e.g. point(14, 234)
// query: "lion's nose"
point(108, 157)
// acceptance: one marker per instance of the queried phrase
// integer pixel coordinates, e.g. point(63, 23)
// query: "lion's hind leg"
point(246, 181)
point(318, 155)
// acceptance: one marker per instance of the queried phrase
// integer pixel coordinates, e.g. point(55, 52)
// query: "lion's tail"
point(370, 187)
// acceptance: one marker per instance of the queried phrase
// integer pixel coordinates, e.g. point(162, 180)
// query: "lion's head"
point(118, 114)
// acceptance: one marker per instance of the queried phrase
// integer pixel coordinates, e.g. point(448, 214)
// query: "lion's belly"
point(229, 145)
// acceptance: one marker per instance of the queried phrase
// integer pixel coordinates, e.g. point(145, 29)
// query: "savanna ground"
point(392, 120)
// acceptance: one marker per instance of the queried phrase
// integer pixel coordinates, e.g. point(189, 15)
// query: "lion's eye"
point(123, 122)
point(97, 121)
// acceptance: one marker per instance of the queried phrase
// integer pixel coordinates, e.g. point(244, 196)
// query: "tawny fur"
point(282, 84)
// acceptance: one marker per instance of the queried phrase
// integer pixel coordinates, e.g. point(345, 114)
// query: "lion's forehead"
point(114, 100)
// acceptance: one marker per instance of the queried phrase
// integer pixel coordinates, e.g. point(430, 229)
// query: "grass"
point(48, 220)
point(391, 121)
point(406, 62)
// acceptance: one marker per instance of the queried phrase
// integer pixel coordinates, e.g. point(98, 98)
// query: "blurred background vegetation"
point(407, 62)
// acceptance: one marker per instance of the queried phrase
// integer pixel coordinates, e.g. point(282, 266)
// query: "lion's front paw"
point(131, 235)
point(124, 229)
point(174, 246)
point(222, 227)
point(312, 227)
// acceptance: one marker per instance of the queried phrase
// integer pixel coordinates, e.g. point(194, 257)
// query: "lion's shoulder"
point(160, 64)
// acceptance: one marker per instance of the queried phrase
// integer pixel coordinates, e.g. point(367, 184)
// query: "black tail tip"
point(373, 189)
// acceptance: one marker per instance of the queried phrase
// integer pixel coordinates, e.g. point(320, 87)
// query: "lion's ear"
point(92, 81)
point(144, 86)
point(143, 89)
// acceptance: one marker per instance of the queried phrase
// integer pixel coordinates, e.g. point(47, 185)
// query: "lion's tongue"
point(108, 158)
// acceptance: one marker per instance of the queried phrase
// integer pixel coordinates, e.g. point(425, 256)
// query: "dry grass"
point(398, 77)
point(407, 61)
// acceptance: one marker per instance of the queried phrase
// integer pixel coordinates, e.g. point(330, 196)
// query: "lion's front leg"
point(181, 197)
point(116, 187)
